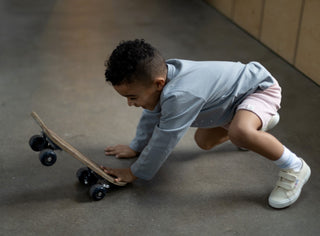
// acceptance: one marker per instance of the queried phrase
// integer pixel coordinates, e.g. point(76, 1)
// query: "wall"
point(291, 28)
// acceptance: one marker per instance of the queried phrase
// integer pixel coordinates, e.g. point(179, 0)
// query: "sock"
point(289, 160)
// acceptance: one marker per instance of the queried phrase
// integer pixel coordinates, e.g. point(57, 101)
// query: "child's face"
point(141, 95)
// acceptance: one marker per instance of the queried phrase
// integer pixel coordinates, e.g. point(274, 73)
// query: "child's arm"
point(148, 120)
point(146, 125)
point(178, 111)
point(177, 114)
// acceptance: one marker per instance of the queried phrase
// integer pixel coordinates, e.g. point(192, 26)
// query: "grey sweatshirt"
point(197, 94)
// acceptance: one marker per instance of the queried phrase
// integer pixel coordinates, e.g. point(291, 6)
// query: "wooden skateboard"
point(92, 175)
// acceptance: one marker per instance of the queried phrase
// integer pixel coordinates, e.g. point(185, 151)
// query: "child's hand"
point(120, 151)
point(121, 175)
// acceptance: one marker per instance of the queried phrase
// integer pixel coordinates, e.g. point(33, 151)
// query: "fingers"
point(117, 155)
point(119, 151)
point(109, 171)
point(105, 169)
point(118, 180)
point(112, 172)
point(113, 151)
point(120, 175)
point(121, 155)
point(110, 151)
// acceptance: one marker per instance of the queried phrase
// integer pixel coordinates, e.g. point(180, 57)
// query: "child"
point(225, 100)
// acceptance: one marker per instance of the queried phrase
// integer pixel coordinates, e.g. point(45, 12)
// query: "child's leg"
point(210, 137)
point(244, 131)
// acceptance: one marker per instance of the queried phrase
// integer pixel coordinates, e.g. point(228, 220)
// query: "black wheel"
point(87, 176)
point(47, 157)
point(97, 192)
point(37, 143)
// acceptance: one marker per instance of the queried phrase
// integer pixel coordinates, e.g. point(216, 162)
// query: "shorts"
point(264, 104)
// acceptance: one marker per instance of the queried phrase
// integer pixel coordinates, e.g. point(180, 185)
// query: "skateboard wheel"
point(86, 176)
point(97, 192)
point(37, 143)
point(47, 157)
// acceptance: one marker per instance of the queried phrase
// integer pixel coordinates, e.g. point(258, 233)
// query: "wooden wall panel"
point(248, 14)
point(308, 51)
point(291, 28)
point(280, 26)
point(224, 6)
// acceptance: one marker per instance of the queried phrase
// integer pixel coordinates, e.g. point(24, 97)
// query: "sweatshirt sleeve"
point(178, 112)
point(148, 120)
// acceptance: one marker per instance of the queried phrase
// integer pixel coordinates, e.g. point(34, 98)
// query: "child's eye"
point(132, 99)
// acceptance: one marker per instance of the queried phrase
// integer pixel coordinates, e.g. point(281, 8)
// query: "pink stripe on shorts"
point(264, 103)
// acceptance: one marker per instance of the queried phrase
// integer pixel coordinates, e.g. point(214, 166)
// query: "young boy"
point(224, 100)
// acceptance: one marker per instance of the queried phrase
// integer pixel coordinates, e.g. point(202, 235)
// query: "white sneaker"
point(288, 187)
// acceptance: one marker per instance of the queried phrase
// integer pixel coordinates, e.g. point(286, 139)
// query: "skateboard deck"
point(65, 146)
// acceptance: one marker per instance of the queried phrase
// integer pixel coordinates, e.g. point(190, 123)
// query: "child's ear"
point(160, 82)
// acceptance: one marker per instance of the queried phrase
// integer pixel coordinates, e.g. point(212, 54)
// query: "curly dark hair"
point(133, 61)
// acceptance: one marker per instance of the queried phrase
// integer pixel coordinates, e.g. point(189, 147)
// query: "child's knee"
point(239, 136)
point(208, 138)
point(201, 141)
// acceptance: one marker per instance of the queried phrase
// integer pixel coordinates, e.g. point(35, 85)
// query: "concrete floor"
point(52, 61)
